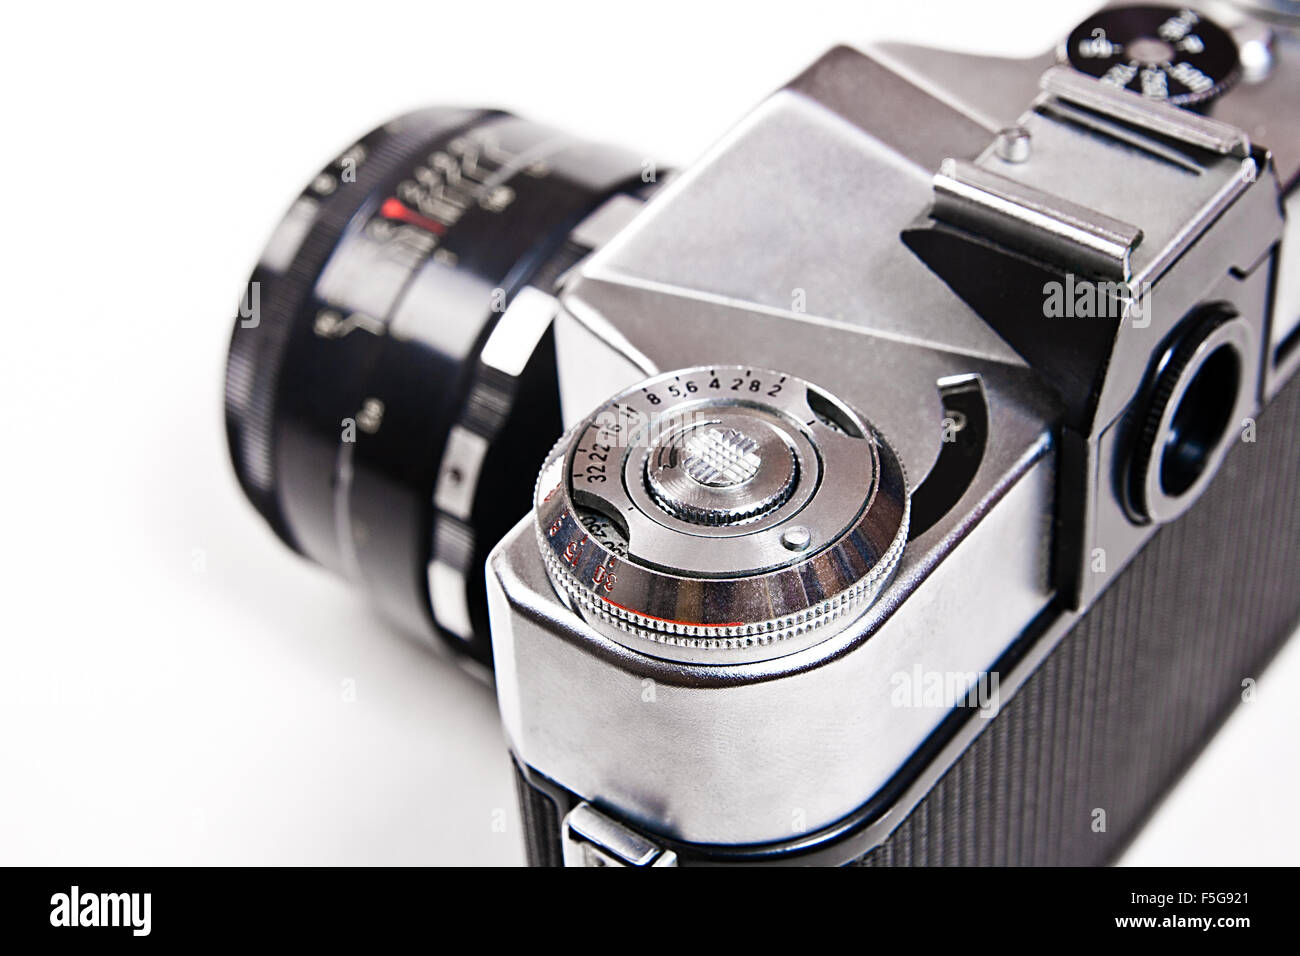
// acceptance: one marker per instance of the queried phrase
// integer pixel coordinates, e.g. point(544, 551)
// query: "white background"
point(172, 675)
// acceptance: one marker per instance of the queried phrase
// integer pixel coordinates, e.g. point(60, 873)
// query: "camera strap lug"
point(590, 838)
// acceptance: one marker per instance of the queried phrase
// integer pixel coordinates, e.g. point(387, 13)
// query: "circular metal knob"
point(721, 515)
point(1161, 52)
point(723, 472)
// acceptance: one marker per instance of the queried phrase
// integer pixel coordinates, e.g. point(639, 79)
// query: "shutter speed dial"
point(1164, 53)
point(721, 515)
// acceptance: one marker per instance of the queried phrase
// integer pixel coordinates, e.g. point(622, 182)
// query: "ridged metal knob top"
point(722, 472)
point(719, 458)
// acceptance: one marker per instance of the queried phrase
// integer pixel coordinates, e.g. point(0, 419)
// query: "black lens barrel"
point(356, 356)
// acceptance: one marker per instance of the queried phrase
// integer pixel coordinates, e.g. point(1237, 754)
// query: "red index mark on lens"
point(394, 208)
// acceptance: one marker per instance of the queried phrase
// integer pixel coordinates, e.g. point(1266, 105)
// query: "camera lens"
point(391, 385)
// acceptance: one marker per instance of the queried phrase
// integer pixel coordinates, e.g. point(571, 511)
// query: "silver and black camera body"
point(921, 484)
point(946, 500)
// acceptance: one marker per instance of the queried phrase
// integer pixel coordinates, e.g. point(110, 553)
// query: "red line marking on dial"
point(669, 620)
point(394, 208)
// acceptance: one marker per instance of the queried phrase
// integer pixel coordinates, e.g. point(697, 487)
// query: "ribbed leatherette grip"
point(1134, 691)
point(541, 824)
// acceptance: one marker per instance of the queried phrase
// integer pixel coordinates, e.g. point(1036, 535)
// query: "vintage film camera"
point(946, 496)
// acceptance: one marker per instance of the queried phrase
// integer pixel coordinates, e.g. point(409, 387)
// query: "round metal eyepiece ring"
point(1198, 395)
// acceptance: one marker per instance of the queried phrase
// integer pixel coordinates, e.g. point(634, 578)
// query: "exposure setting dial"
point(721, 515)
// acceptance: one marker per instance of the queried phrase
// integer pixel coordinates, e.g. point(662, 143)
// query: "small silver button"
point(796, 538)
